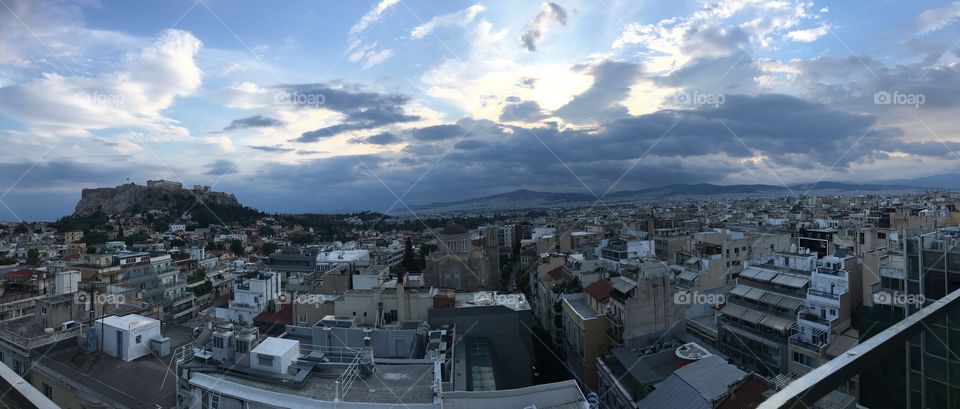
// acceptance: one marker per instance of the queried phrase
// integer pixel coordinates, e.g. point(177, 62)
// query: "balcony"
point(824, 297)
point(814, 321)
point(818, 349)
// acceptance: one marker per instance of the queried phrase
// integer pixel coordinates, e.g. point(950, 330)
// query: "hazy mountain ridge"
point(525, 198)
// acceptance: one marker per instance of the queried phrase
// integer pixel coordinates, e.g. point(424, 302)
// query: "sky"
point(302, 106)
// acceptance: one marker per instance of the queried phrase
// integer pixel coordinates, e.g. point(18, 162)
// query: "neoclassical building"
point(462, 263)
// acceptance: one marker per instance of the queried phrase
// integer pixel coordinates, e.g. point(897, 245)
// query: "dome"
point(454, 228)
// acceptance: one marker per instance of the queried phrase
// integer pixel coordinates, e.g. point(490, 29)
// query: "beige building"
point(585, 336)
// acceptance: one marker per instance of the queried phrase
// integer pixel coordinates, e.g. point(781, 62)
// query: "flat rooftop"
point(146, 382)
point(390, 384)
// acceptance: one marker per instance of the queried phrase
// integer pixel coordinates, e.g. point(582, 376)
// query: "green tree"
point(22, 228)
point(268, 248)
point(410, 262)
point(236, 247)
point(267, 231)
point(33, 257)
point(302, 238)
point(138, 237)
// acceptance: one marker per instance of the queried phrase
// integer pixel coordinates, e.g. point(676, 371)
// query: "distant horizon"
point(456, 200)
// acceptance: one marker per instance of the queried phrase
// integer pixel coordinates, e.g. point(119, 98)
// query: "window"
point(43, 310)
point(47, 391)
point(139, 337)
point(265, 360)
point(302, 318)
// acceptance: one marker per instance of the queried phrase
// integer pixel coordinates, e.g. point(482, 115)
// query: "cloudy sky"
point(328, 106)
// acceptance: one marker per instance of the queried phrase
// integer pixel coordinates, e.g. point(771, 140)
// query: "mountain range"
point(523, 198)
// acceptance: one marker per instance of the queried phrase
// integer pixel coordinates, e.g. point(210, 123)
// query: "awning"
point(789, 280)
point(789, 304)
point(757, 274)
point(753, 317)
point(754, 294)
point(776, 323)
point(733, 310)
point(688, 275)
point(739, 290)
point(771, 298)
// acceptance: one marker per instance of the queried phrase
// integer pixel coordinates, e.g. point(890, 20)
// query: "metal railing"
point(805, 391)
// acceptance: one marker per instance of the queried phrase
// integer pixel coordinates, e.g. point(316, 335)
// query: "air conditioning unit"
point(70, 325)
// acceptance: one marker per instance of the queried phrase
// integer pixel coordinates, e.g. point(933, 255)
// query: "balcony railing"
point(819, 349)
point(814, 318)
point(824, 294)
point(807, 390)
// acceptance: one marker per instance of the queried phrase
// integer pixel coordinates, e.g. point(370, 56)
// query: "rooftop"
point(146, 382)
point(392, 384)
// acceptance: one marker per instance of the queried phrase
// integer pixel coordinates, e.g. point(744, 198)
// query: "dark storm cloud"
point(271, 149)
point(438, 132)
point(221, 167)
point(524, 111)
point(360, 109)
point(611, 85)
point(696, 147)
point(382, 138)
point(256, 121)
point(549, 13)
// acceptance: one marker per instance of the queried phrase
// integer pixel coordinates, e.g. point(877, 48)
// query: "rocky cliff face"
point(136, 198)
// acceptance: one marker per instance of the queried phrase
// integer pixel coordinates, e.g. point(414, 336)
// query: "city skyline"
point(362, 106)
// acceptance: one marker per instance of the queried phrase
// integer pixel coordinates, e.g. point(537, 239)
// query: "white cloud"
point(715, 30)
point(937, 18)
point(133, 96)
point(376, 57)
point(460, 18)
point(809, 35)
point(372, 16)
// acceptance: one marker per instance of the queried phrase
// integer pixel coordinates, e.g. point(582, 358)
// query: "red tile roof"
point(599, 290)
point(556, 274)
point(25, 273)
point(282, 317)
